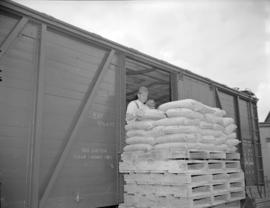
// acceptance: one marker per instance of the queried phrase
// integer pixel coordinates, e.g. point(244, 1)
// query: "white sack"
point(222, 147)
point(231, 136)
point(186, 103)
point(143, 125)
point(220, 140)
point(207, 139)
point(154, 132)
point(180, 129)
point(152, 114)
point(213, 119)
point(218, 127)
point(184, 112)
point(170, 145)
point(231, 149)
point(230, 128)
point(138, 147)
point(133, 133)
point(227, 121)
point(176, 121)
point(232, 142)
point(211, 132)
point(206, 125)
point(174, 138)
point(140, 140)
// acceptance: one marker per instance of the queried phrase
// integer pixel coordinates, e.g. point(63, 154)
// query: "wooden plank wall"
point(18, 64)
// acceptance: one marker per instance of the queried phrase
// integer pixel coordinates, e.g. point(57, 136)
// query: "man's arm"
point(131, 111)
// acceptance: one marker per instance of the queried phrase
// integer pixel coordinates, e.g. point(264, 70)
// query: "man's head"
point(151, 103)
point(142, 94)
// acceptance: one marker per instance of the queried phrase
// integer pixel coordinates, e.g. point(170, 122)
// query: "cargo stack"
point(182, 155)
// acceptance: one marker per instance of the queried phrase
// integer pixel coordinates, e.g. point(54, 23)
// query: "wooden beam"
point(71, 135)
point(217, 98)
point(33, 192)
point(133, 72)
point(120, 122)
point(12, 35)
point(239, 131)
point(174, 86)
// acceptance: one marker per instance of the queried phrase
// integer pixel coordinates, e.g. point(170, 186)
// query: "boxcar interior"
point(156, 80)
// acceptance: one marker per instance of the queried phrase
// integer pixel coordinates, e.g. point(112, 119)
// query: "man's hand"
point(139, 114)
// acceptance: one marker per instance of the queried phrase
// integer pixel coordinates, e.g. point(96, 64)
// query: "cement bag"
point(154, 132)
point(218, 127)
point(213, 119)
point(175, 138)
point(196, 146)
point(177, 121)
point(232, 142)
point(211, 132)
point(152, 114)
point(133, 133)
point(143, 125)
point(140, 140)
point(231, 136)
point(138, 147)
point(220, 140)
point(206, 125)
point(186, 103)
point(207, 140)
point(180, 129)
point(222, 147)
point(231, 149)
point(184, 112)
point(227, 121)
point(230, 128)
point(219, 113)
point(170, 145)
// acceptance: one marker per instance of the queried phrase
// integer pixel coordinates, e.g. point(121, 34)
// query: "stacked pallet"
point(187, 159)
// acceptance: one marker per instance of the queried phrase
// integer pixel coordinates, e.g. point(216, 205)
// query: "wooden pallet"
point(235, 204)
point(220, 188)
point(237, 194)
point(153, 201)
point(232, 165)
point(232, 156)
point(167, 178)
point(186, 190)
point(236, 184)
point(173, 154)
point(220, 199)
point(236, 174)
point(171, 166)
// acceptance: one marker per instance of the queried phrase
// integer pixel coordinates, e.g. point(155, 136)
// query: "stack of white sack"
point(193, 125)
point(140, 135)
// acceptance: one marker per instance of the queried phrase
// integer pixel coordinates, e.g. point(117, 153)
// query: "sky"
point(227, 41)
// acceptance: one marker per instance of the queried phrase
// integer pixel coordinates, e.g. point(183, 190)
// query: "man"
point(136, 107)
point(151, 104)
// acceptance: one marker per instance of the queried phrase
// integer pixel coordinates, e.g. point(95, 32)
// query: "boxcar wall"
point(62, 112)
